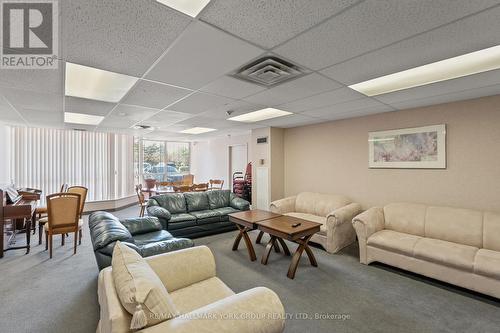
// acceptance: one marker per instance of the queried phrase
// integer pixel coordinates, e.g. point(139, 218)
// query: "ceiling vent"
point(269, 71)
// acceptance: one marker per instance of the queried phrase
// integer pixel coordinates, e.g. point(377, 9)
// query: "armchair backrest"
point(318, 203)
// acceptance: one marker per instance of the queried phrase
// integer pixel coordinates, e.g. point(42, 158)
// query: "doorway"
point(238, 159)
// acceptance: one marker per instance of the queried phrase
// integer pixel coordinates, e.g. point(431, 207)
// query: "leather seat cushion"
point(206, 216)
point(394, 241)
point(181, 221)
point(311, 217)
point(487, 263)
point(151, 237)
point(225, 210)
point(196, 201)
point(446, 253)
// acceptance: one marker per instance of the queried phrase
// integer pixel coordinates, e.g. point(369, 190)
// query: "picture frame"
point(408, 148)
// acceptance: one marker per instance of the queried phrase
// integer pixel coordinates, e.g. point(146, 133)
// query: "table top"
point(254, 215)
point(282, 225)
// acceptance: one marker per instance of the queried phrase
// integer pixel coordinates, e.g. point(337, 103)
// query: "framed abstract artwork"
point(411, 148)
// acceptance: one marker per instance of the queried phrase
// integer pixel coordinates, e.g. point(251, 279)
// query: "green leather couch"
point(196, 214)
point(143, 234)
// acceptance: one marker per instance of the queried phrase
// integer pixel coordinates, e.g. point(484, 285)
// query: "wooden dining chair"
point(216, 184)
point(82, 191)
point(188, 180)
point(140, 197)
point(63, 211)
point(199, 187)
point(182, 188)
point(43, 211)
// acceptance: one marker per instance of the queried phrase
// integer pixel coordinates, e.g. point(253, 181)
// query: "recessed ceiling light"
point(81, 118)
point(259, 115)
point(189, 7)
point(97, 84)
point(452, 68)
point(198, 130)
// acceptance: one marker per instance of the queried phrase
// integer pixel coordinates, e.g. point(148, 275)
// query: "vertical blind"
point(45, 158)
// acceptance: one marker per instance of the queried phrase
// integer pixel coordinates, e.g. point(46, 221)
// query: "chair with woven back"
point(140, 197)
point(43, 211)
point(199, 187)
point(216, 184)
point(182, 188)
point(63, 211)
point(82, 191)
point(188, 180)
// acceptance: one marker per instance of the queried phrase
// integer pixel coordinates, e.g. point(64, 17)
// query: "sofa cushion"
point(196, 201)
point(487, 263)
point(206, 216)
point(151, 237)
point(394, 241)
point(462, 226)
point(446, 253)
point(200, 294)
point(491, 231)
point(319, 204)
point(173, 202)
point(311, 217)
point(407, 218)
point(139, 289)
point(142, 225)
point(105, 228)
point(182, 220)
point(225, 210)
point(218, 199)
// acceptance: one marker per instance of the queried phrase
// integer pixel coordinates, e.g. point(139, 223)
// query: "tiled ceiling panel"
point(165, 118)
point(124, 116)
point(269, 23)
point(293, 120)
point(200, 102)
point(22, 99)
point(321, 100)
point(373, 24)
point(359, 104)
point(293, 90)
point(474, 33)
point(201, 55)
point(154, 95)
point(231, 87)
point(8, 114)
point(44, 81)
point(87, 106)
point(207, 122)
point(42, 117)
point(235, 108)
point(120, 36)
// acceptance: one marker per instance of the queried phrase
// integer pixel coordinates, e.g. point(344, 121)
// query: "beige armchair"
point(334, 212)
point(204, 302)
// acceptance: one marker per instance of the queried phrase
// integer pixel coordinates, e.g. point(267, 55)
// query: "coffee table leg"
point(298, 253)
point(276, 247)
point(237, 240)
point(269, 246)
point(283, 245)
point(244, 234)
point(259, 237)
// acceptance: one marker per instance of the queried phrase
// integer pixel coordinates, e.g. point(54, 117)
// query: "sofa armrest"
point(255, 310)
point(159, 212)
point(165, 246)
point(239, 203)
point(283, 206)
point(369, 222)
point(343, 214)
point(184, 267)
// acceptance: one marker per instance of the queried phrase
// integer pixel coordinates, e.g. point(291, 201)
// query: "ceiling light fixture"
point(82, 118)
point(198, 130)
point(96, 84)
point(452, 68)
point(189, 7)
point(260, 115)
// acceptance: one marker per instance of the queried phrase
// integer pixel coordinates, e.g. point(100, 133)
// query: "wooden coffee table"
point(247, 221)
point(280, 228)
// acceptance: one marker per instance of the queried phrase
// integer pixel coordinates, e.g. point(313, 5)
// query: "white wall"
point(5, 154)
point(210, 159)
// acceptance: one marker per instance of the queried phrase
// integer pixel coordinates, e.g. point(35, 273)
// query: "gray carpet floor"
point(39, 294)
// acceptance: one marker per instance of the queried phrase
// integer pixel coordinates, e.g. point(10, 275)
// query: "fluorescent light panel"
point(452, 68)
point(189, 7)
point(260, 115)
point(198, 130)
point(82, 118)
point(97, 84)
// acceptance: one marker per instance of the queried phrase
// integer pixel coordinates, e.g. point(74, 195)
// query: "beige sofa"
point(205, 303)
point(458, 246)
point(334, 212)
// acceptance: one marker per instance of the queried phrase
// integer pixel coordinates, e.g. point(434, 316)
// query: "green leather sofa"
point(143, 234)
point(196, 214)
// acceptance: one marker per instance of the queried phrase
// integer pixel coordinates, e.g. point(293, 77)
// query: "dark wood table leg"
point(244, 234)
point(298, 254)
point(276, 247)
point(259, 237)
point(283, 245)
point(1, 235)
point(267, 252)
point(28, 235)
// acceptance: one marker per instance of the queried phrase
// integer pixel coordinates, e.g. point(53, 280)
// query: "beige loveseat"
point(205, 303)
point(334, 212)
point(458, 246)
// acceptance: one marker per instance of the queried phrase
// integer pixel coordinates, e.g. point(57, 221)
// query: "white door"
point(238, 159)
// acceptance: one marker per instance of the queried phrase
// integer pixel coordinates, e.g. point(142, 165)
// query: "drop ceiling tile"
point(8, 115)
point(87, 106)
point(293, 90)
point(120, 36)
point(201, 55)
point(200, 102)
point(321, 100)
point(293, 120)
point(474, 33)
point(126, 131)
point(154, 95)
point(165, 118)
point(165, 135)
point(231, 87)
point(270, 23)
point(24, 99)
point(359, 104)
point(441, 88)
point(207, 122)
point(43, 81)
point(124, 116)
point(371, 25)
point(359, 113)
point(451, 97)
point(36, 117)
point(236, 108)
